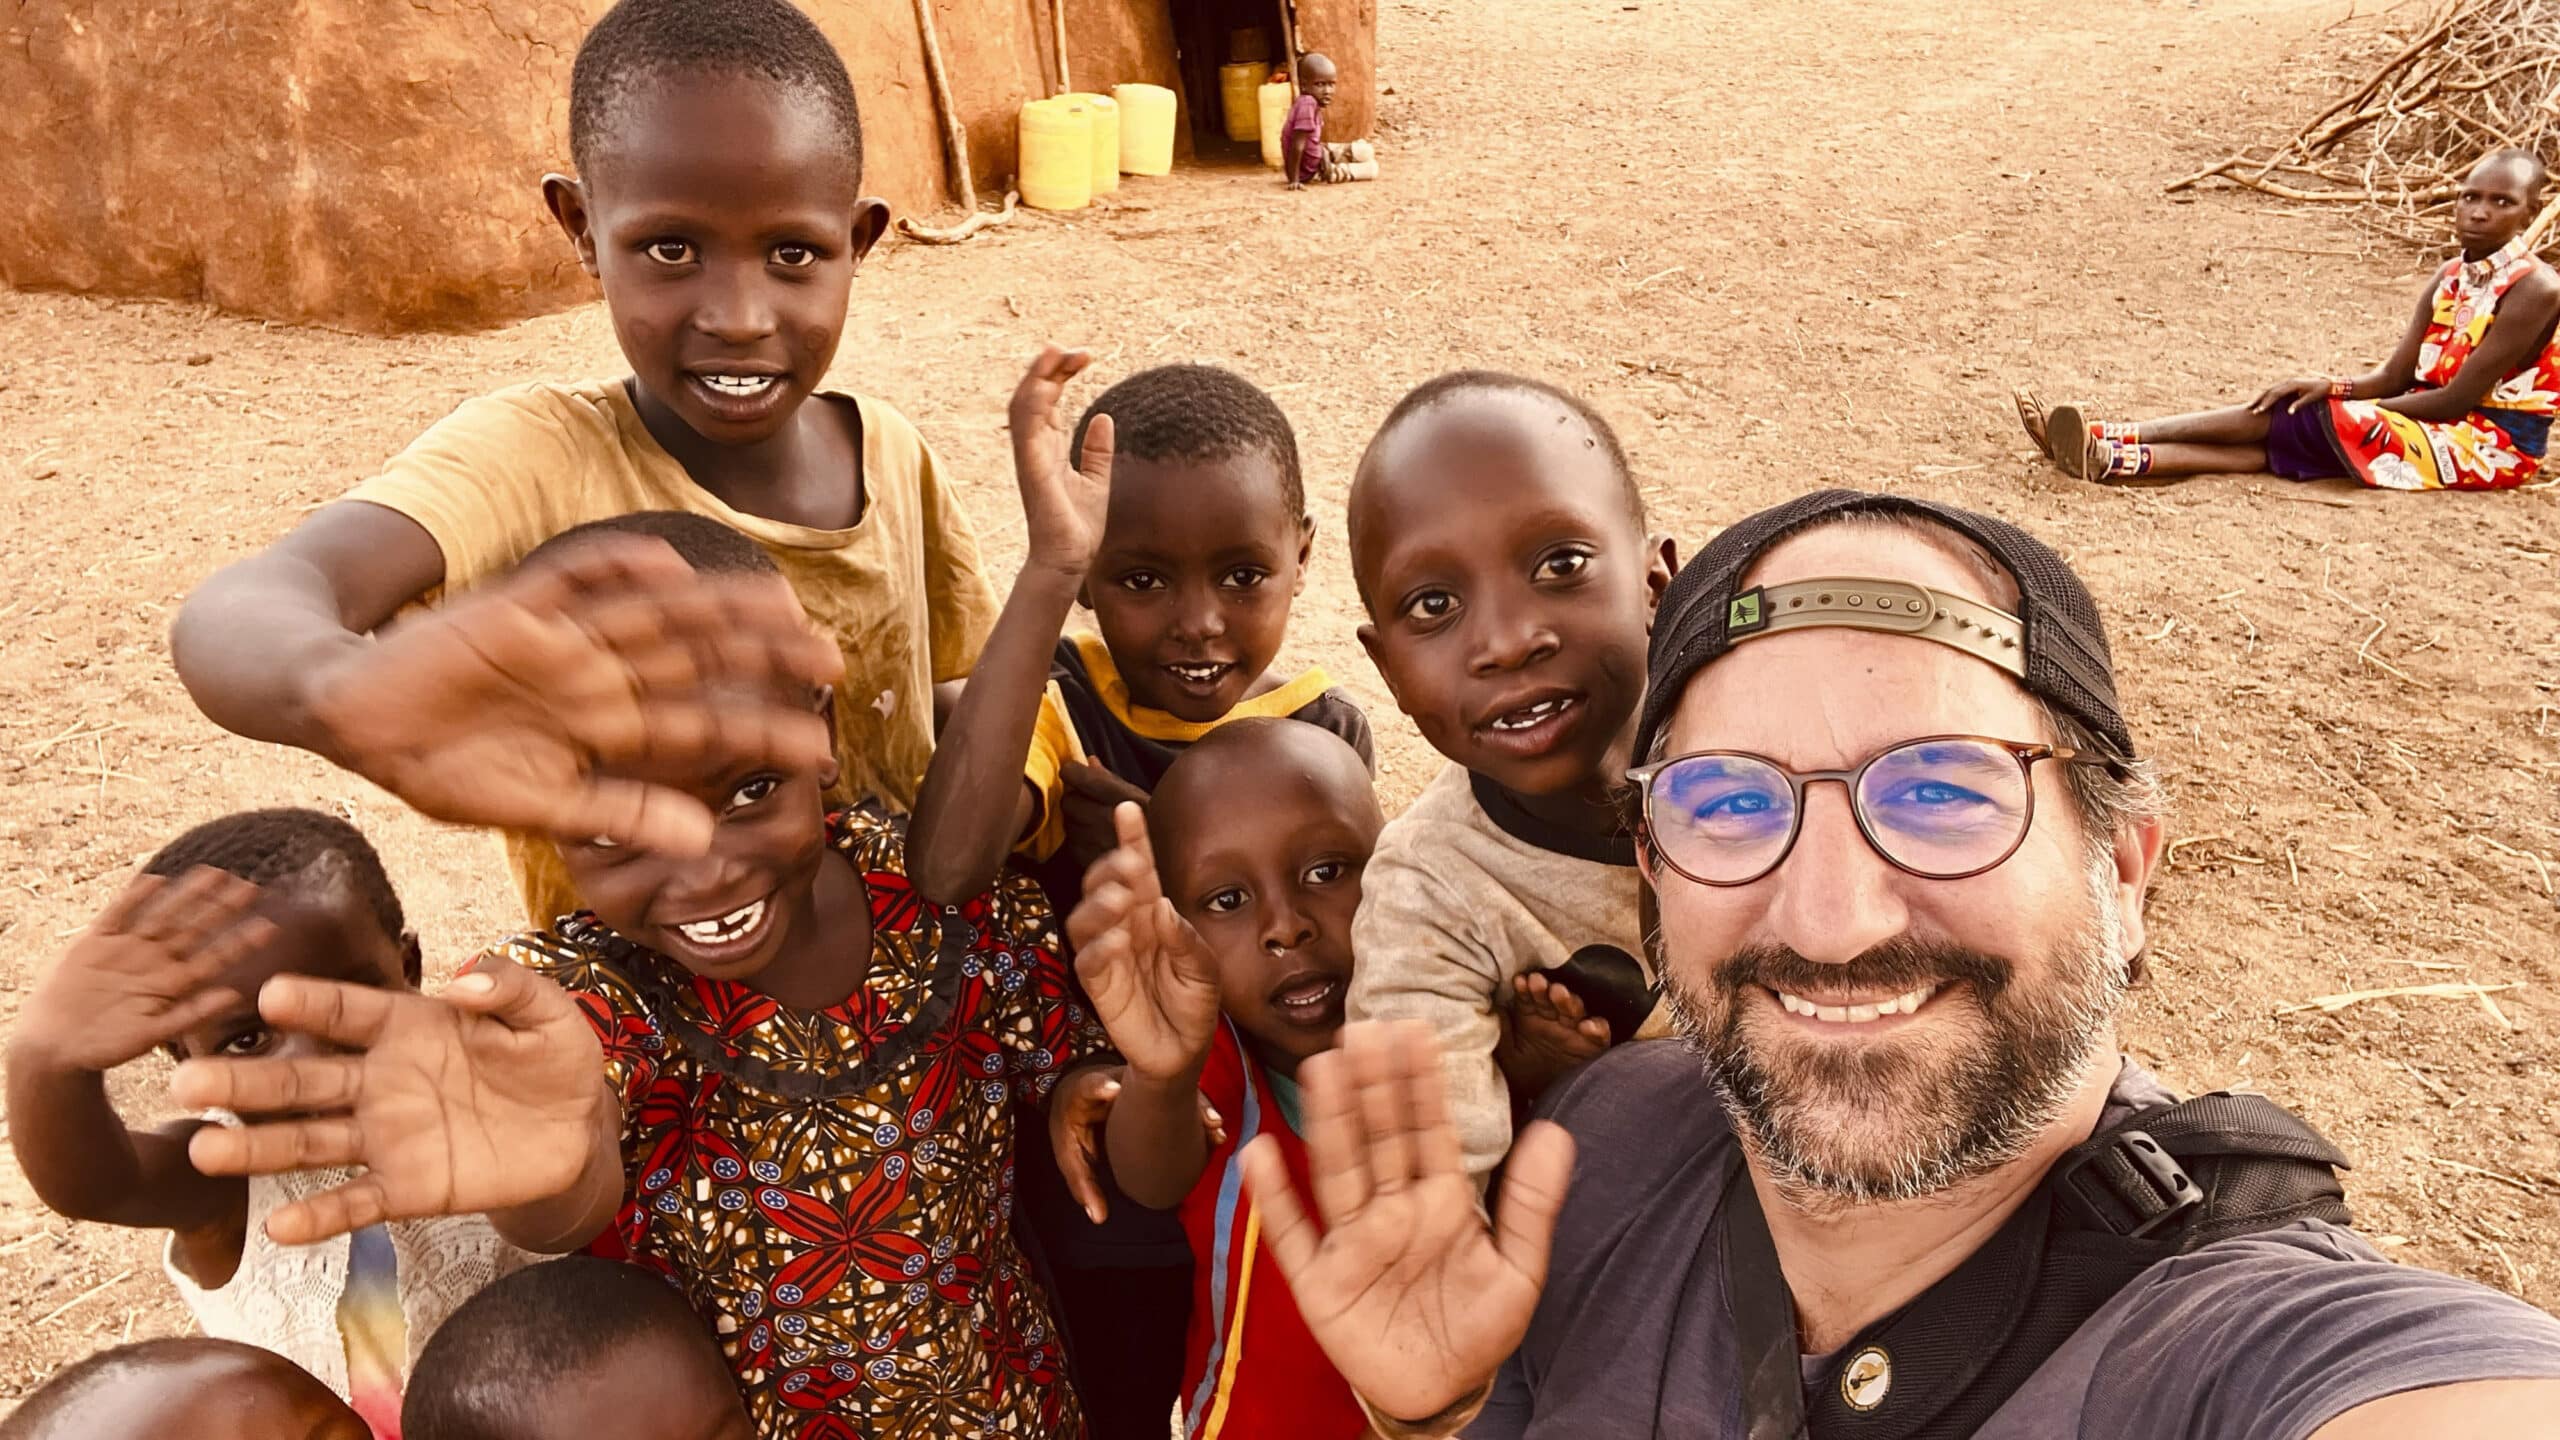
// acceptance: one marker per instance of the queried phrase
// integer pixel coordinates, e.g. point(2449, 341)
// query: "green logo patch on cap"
point(1744, 613)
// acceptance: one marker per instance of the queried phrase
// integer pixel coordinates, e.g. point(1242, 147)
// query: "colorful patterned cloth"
point(834, 1189)
point(1250, 1369)
point(375, 1332)
point(2495, 447)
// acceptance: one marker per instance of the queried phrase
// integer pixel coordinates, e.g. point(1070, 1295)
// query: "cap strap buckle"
point(1893, 606)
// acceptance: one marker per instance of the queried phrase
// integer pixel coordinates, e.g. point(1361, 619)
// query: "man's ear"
point(566, 199)
point(1306, 552)
point(2138, 850)
point(1662, 562)
point(870, 222)
point(413, 959)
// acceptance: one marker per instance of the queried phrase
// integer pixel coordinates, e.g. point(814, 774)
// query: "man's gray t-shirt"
point(2266, 1337)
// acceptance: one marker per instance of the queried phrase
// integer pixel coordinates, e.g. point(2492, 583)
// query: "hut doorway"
point(1208, 34)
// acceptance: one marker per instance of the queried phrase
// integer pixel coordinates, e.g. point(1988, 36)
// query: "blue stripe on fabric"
point(2530, 430)
point(1222, 1238)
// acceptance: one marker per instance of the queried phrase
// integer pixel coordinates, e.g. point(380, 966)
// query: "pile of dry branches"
point(2474, 76)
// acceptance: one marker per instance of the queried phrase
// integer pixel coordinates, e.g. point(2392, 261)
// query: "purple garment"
point(1302, 139)
point(2301, 446)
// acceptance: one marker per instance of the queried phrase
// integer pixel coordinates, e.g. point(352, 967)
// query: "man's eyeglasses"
point(1943, 807)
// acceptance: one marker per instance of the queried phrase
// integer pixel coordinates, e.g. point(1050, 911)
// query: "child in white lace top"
point(175, 963)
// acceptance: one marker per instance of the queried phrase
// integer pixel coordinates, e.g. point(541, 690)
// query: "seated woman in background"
point(2464, 403)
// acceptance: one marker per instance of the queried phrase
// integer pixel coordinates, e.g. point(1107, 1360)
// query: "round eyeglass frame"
point(1642, 776)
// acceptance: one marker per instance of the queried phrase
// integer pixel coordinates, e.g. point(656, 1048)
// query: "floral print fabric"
point(2497, 446)
point(834, 1189)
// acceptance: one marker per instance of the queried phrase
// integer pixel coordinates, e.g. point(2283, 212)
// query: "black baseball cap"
point(2055, 645)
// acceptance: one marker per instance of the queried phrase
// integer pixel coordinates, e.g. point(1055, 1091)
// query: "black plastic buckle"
point(2162, 1193)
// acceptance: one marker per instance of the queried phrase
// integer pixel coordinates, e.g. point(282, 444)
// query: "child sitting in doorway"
point(1302, 145)
point(786, 1081)
point(718, 202)
point(174, 963)
point(1217, 955)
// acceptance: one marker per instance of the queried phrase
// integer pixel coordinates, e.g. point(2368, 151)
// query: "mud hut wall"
point(1346, 31)
point(376, 166)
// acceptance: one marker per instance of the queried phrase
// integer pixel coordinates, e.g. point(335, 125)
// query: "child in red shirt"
point(1217, 955)
point(1302, 146)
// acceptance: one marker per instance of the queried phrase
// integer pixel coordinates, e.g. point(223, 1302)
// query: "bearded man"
point(1897, 1180)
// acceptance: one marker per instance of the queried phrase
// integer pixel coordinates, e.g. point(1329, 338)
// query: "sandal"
point(2072, 457)
point(2031, 415)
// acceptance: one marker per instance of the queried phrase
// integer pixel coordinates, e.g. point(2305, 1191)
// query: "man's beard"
point(1905, 1116)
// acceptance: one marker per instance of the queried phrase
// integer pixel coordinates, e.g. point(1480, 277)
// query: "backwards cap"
point(2055, 645)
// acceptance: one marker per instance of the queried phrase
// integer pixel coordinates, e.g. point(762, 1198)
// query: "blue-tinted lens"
point(1721, 817)
point(1945, 807)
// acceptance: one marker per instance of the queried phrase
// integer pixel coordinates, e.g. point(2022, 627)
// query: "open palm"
point(1064, 497)
point(510, 705)
point(482, 1100)
point(146, 970)
point(1416, 1302)
point(1153, 982)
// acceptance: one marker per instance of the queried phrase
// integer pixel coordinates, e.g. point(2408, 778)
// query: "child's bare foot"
point(1549, 1031)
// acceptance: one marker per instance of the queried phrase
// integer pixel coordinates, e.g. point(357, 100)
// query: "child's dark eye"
point(669, 252)
point(1431, 605)
point(1563, 564)
point(256, 1040)
point(1325, 872)
point(1142, 581)
point(794, 257)
point(1244, 577)
point(753, 791)
point(598, 842)
point(1224, 902)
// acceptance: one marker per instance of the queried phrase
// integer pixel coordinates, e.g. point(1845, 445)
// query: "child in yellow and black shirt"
point(1185, 531)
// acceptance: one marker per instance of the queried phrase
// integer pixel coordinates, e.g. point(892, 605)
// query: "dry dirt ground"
point(1780, 245)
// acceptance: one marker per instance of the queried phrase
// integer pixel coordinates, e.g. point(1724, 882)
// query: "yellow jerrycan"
point(1146, 128)
point(1106, 140)
point(1236, 84)
point(1276, 97)
point(1057, 154)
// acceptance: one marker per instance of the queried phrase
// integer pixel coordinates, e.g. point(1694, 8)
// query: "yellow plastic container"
point(1236, 86)
point(1276, 99)
point(1106, 140)
point(1057, 154)
point(1146, 128)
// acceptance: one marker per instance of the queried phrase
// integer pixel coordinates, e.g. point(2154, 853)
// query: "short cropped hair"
point(2535, 170)
point(487, 1365)
point(57, 1404)
point(1443, 388)
point(642, 40)
point(266, 847)
point(1199, 413)
point(710, 547)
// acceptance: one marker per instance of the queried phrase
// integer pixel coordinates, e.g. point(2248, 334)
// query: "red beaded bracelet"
point(2342, 389)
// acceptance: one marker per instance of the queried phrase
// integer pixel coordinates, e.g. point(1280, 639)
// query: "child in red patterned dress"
point(811, 1079)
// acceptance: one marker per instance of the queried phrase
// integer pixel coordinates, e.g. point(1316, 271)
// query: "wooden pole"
point(955, 141)
point(1058, 13)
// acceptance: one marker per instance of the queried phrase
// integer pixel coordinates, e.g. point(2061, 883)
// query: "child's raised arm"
point(975, 804)
point(490, 1099)
point(141, 975)
point(1154, 986)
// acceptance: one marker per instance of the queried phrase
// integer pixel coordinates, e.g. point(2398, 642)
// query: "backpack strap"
point(2162, 1182)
